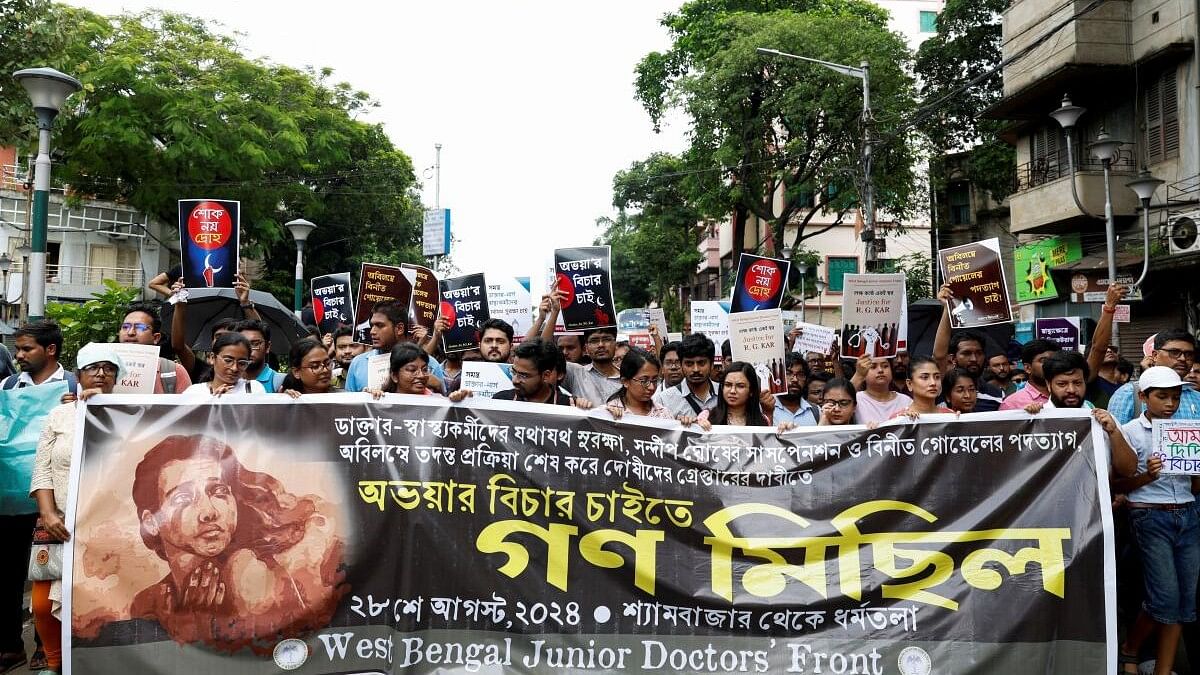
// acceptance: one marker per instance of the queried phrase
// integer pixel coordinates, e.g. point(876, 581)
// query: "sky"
point(532, 101)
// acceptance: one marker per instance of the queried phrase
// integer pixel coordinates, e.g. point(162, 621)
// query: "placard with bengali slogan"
point(426, 296)
point(711, 317)
point(757, 338)
point(332, 301)
point(484, 378)
point(1177, 441)
point(509, 299)
point(377, 283)
point(873, 311)
point(760, 283)
point(209, 234)
point(975, 274)
point(465, 307)
point(409, 535)
point(141, 368)
point(585, 276)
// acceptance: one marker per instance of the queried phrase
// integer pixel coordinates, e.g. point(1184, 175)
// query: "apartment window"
point(838, 268)
point(959, 196)
point(928, 22)
point(1161, 104)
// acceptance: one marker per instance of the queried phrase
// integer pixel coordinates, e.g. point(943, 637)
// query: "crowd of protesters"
point(691, 383)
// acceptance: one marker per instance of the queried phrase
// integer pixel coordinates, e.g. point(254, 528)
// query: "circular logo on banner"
point(290, 654)
point(448, 313)
point(210, 225)
point(1079, 283)
point(914, 661)
point(763, 280)
point(565, 285)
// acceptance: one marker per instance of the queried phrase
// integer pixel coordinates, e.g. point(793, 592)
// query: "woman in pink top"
point(925, 383)
point(877, 402)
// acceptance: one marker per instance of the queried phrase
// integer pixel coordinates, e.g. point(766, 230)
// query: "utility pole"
point(437, 176)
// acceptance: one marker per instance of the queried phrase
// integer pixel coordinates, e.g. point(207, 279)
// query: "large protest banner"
point(332, 301)
point(465, 306)
point(412, 536)
point(873, 311)
point(585, 276)
point(209, 231)
point(377, 283)
point(426, 296)
point(975, 274)
point(760, 283)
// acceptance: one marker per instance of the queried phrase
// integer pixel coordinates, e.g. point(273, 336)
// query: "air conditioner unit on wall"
point(1182, 233)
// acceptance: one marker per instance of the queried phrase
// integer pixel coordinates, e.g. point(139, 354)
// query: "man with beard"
point(792, 407)
point(142, 325)
point(672, 368)
point(344, 351)
point(1175, 349)
point(900, 373)
point(600, 379)
point(495, 340)
point(1033, 355)
point(1001, 369)
point(966, 350)
point(697, 392)
point(535, 372)
point(259, 335)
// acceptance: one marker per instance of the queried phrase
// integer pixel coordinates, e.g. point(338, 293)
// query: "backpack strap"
point(10, 382)
point(166, 373)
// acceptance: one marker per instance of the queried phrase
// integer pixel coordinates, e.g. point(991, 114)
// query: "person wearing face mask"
point(99, 368)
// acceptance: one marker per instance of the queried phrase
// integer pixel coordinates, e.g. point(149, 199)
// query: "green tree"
point(96, 320)
point(968, 45)
point(917, 269)
point(172, 108)
point(30, 39)
point(763, 127)
point(654, 237)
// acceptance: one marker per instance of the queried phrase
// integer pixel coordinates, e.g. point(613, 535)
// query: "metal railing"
point(87, 275)
point(1052, 167)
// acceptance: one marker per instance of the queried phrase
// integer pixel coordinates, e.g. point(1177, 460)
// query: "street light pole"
point(48, 89)
point(821, 285)
point(862, 72)
point(300, 229)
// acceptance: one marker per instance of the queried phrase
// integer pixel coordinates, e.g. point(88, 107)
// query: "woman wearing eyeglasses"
point(639, 381)
point(408, 373)
point(839, 401)
point(99, 367)
point(311, 369)
point(231, 357)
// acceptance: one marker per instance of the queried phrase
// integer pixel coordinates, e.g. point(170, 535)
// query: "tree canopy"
point(765, 126)
point(172, 108)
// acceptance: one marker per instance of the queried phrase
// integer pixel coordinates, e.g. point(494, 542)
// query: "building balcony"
point(1100, 38)
point(1042, 201)
point(76, 282)
point(710, 251)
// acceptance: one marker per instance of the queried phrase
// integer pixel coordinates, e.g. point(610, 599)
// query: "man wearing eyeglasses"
point(259, 336)
point(792, 407)
point(535, 369)
point(1175, 349)
point(599, 380)
point(142, 325)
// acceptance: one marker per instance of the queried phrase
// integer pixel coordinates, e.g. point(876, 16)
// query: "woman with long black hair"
point(639, 380)
point(311, 369)
point(737, 399)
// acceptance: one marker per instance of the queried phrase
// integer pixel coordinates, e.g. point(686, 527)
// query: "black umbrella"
point(206, 306)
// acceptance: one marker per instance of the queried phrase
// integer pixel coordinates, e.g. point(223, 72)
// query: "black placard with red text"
point(584, 275)
point(465, 308)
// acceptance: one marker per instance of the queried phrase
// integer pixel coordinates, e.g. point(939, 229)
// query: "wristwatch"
point(248, 305)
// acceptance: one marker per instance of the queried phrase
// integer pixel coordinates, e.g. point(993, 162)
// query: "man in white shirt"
point(697, 392)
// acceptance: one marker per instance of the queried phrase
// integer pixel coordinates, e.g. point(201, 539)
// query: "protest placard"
point(975, 274)
point(410, 536)
point(378, 283)
point(509, 300)
point(1121, 315)
point(425, 298)
point(711, 317)
point(378, 370)
point(634, 320)
point(332, 302)
point(760, 283)
point(141, 368)
point(484, 378)
point(1063, 331)
point(674, 337)
point(757, 338)
point(465, 308)
point(1092, 286)
point(1033, 262)
point(584, 275)
point(873, 310)
point(658, 317)
point(209, 235)
point(814, 338)
point(1177, 441)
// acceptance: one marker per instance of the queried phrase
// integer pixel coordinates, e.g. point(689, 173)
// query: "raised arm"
point(241, 286)
point(941, 341)
point(183, 351)
point(535, 328)
point(1103, 334)
point(161, 284)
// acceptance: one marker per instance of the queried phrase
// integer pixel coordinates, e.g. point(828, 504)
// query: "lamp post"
point(803, 268)
point(821, 286)
point(23, 252)
point(5, 266)
point(862, 72)
point(300, 229)
point(48, 89)
point(1144, 185)
point(1105, 149)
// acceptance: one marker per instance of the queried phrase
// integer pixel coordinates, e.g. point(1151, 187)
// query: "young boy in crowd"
point(1162, 511)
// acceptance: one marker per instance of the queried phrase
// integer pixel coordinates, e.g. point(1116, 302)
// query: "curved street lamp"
point(300, 229)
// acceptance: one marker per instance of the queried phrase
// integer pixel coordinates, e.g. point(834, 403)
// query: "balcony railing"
point(87, 275)
point(1052, 167)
